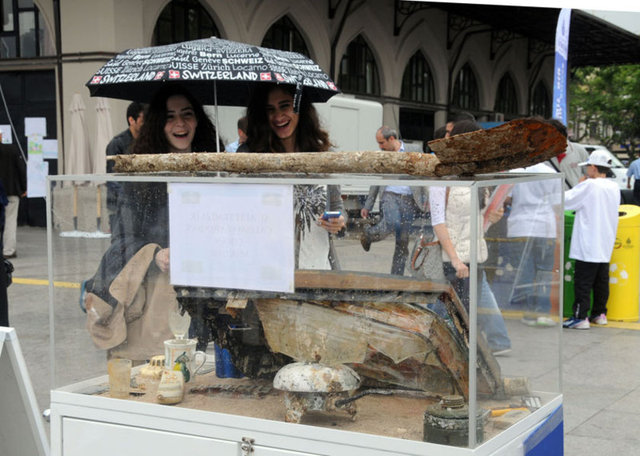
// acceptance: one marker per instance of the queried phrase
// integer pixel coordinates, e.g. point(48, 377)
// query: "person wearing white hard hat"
point(595, 200)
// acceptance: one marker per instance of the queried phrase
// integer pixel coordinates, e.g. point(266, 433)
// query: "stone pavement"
point(600, 372)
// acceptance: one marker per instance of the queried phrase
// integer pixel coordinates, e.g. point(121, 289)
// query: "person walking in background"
point(13, 173)
point(569, 161)
point(119, 145)
point(531, 233)
point(596, 201)
point(451, 219)
point(401, 205)
point(634, 171)
point(242, 135)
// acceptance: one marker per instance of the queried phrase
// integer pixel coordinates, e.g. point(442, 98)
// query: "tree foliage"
point(605, 105)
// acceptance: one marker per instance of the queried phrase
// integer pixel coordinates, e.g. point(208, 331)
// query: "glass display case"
point(262, 332)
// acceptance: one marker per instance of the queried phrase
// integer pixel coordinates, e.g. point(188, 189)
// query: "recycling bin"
point(624, 267)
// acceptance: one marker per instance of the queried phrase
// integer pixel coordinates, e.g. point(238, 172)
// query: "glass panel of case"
point(381, 345)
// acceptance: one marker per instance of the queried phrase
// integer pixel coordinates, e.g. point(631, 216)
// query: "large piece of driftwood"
point(519, 143)
point(300, 162)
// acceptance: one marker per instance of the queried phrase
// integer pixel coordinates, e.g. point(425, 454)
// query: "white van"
point(617, 167)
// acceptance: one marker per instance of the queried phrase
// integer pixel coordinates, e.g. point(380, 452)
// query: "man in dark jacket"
point(119, 145)
point(13, 173)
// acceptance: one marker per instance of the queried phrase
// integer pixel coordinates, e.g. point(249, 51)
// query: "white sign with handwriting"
point(237, 236)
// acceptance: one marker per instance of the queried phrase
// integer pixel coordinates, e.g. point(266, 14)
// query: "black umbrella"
point(218, 72)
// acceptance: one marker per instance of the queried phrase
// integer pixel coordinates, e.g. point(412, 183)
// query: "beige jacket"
point(138, 326)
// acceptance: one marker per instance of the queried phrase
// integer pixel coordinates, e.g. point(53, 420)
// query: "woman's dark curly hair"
point(310, 137)
point(152, 139)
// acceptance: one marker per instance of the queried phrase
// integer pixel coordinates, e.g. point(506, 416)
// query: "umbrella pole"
point(75, 207)
point(98, 207)
point(215, 101)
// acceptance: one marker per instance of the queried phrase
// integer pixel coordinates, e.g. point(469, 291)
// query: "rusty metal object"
point(448, 422)
point(249, 390)
point(515, 144)
point(518, 143)
point(364, 320)
point(316, 387)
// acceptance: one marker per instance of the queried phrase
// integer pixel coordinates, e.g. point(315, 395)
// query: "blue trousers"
point(398, 214)
point(532, 258)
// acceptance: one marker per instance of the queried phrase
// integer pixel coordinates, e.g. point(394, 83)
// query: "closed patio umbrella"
point(104, 133)
point(77, 158)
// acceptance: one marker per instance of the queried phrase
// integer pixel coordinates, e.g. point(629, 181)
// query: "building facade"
point(421, 62)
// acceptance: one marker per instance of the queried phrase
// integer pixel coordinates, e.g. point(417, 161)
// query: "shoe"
point(366, 242)
point(13, 255)
point(502, 352)
point(83, 295)
point(543, 322)
point(599, 320)
point(576, 323)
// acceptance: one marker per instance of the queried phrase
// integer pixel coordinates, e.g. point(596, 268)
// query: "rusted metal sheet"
point(389, 337)
point(518, 143)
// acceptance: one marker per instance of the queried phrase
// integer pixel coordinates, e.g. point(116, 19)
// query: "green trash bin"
point(569, 268)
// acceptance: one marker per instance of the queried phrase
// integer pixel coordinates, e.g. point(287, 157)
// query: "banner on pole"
point(560, 67)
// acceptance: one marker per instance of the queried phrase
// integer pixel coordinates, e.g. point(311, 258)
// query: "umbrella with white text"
point(216, 71)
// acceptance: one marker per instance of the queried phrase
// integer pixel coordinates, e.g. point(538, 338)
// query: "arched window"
point(358, 69)
point(506, 98)
point(183, 20)
point(284, 35)
point(465, 90)
point(540, 104)
point(417, 82)
point(22, 31)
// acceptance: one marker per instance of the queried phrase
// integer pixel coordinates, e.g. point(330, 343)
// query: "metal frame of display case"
point(82, 423)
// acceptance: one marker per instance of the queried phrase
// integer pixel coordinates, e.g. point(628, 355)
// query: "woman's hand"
point(462, 270)
point(496, 215)
point(332, 225)
point(162, 260)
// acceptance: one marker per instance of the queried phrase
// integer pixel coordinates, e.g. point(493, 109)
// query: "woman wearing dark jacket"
point(129, 298)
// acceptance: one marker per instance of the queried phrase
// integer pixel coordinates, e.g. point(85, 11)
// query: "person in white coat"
point(596, 201)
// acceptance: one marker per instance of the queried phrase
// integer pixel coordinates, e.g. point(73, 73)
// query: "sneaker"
point(599, 320)
point(543, 322)
point(576, 323)
point(83, 295)
point(502, 352)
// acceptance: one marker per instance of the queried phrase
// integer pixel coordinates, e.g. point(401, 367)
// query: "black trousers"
point(590, 276)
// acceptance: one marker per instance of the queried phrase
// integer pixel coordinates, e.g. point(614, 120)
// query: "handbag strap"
point(416, 254)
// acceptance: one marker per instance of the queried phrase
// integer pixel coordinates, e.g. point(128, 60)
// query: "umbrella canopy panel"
point(235, 68)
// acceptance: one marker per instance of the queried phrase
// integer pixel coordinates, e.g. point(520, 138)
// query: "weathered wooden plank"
point(345, 280)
